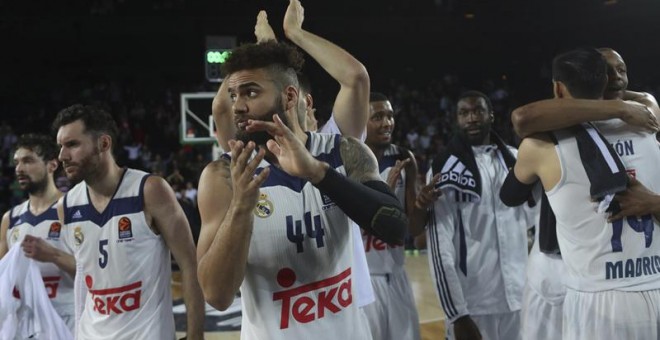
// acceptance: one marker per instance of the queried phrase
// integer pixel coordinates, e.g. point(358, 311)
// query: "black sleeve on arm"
point(372, 205)
point(513, 192)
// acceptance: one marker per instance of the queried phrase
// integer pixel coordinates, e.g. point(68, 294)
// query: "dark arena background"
point(137, 57)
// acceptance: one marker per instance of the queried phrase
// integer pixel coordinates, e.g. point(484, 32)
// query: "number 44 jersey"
point(299, 277)
point(125, 265)
point(621, 255)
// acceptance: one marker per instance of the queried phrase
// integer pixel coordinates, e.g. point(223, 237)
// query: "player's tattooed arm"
point(364, 196)
point(360, 163)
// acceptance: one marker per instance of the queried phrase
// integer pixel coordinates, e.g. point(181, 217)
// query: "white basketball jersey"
point(599, 255)
point(125, 265)
point(384, 258)
point(59, 285)
point(299, 277)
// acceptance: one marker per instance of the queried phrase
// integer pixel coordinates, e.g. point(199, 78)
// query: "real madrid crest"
point(264, 207)
point(14, 235)
point(78, 236)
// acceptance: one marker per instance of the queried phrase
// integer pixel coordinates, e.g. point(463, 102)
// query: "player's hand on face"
point(428, 194)
point(289, 150)
point(293, 18)
point(395, 172)
point(244, 180)
point(262, 29)
point(637, 200)
point(38, 249)
point(466, 329)
point(638, 114)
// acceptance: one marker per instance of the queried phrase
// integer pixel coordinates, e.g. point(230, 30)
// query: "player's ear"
point(105, 143)
point(291, 97)
point(52, 165)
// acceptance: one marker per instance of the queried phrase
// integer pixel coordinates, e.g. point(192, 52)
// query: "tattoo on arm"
point(359, 162)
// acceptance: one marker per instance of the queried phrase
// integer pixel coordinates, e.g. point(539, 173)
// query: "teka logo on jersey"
point(372, 242)
point(115, 300)
point(50, 282)
point(310, 302)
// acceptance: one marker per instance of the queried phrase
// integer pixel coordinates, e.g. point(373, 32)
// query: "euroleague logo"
point(125, 228)
point(55, 230)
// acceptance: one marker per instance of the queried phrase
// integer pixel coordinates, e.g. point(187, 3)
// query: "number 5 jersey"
point(123, 266)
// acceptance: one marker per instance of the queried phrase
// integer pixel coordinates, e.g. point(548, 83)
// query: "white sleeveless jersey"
point(299, 277)
point(125, 265)
point(384, 258)
point(622, 255)
point(59, 285)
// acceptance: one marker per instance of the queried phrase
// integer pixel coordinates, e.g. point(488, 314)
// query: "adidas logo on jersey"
point(454, 171)
point(314, 300)
point(77, 214)
point(327, 202)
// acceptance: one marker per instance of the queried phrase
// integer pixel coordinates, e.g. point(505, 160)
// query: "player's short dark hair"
point(583, 71)
point(281, 60)
point(377, 97)
point(304, 83)
point(97, 121)
point(476, 94)
point(42, 145)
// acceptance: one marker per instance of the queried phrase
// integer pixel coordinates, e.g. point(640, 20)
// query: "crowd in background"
point(149, 122)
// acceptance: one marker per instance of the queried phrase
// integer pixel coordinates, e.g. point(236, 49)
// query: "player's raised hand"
point(289, 150)
point(293, 18)
point(244, 180)
point(262, 29)
point(395, 173)
point(428, 194)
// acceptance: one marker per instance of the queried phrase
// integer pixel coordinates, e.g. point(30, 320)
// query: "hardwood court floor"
point(431, 317)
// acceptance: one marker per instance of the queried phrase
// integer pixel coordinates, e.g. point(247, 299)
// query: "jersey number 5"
point(645, 225)
point(103, 259)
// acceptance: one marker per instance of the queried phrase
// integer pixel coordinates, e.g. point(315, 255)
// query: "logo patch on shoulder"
point(78, 235)
point(264, 207)
point(55, 230)
point(125, 228)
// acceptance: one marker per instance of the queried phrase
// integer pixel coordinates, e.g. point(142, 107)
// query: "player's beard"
point(476, 139)
point(84, 169)
point(36, 186)
point(261, 137)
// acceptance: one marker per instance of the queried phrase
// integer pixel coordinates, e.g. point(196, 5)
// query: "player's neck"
point(105, 182)
point(378, 150)
point(41, 201)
